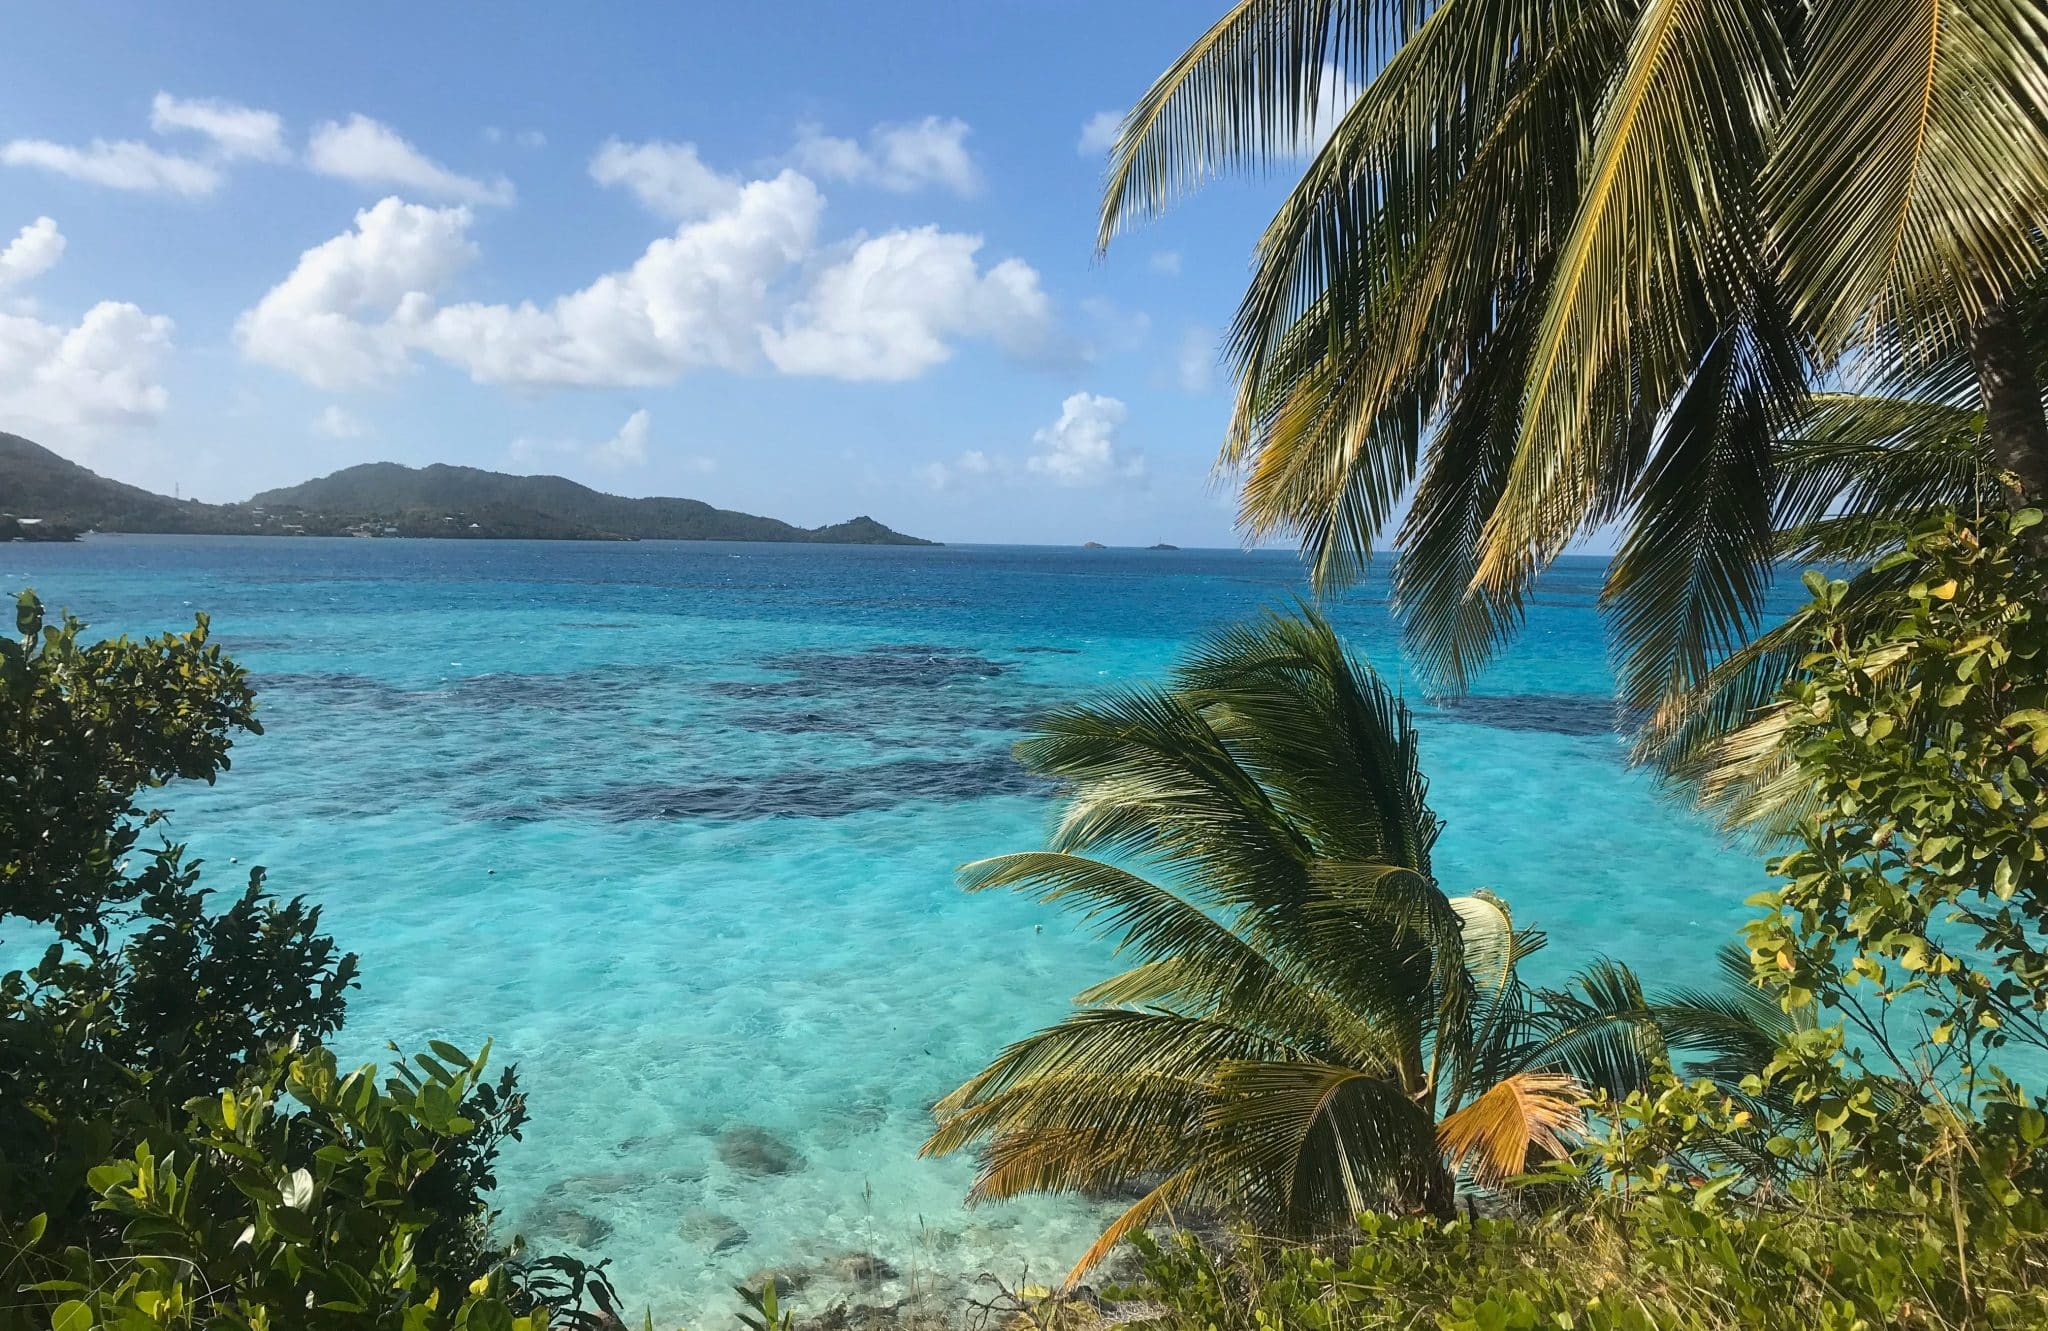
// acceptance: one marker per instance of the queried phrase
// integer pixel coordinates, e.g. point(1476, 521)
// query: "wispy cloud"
point(369, 152)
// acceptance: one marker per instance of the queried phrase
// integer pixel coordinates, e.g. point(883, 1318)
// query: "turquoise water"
point(675, 825)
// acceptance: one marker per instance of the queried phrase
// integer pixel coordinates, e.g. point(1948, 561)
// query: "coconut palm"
point(1312, 1027)
point(1555, 264)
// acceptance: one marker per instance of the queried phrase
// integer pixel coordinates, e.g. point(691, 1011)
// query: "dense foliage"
point(1870, 1163)
point(1313, 1026)
point(176, 1147)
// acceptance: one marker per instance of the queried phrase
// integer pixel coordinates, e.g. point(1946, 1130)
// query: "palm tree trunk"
point(1440, 1193)
point(2014, 424)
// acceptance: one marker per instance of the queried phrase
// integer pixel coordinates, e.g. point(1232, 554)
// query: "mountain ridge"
point(392, 499)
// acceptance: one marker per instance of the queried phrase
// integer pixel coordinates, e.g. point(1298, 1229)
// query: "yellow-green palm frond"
point(1111, 1047)
point(1665, 223)
point(1210, 962)
point(1910, 190)
point(1454, 625)
point(1371, 287)
point(1307, 1146)
point(1253, 89)
point(1862, 468)
point(1175, 1190)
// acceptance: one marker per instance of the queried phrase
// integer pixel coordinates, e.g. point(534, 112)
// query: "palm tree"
point(1312, 1027)
point(1559, 264)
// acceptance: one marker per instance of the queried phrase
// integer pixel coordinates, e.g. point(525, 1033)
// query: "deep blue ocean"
point(675, 824)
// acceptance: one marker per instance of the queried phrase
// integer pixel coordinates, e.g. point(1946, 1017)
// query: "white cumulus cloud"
point(669, 179)
point(73, 381)
point(31, 253)
point(742, 281)
point(627, 448)
point(337, 320)
point(893, 307)
point(369, 152)
point(1098, 133)
point(236, 131)
point(1080, 448)
point(231, 132)
point(901, 157)
point(969, 465)
point(100, 372)
point(695, 299)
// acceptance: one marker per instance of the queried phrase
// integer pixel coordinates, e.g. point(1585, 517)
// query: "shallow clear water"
point(675, 824)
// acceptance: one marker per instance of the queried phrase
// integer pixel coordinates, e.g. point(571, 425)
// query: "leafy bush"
point(177, 1149)
point(1918, 893)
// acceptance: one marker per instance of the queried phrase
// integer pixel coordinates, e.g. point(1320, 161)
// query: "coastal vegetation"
point(386, 499)
point(177, 1147)
point(1313, 1028)
point(1337, 1068)
point(1756, 286)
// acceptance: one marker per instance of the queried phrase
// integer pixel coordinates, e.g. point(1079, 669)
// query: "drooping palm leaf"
point(1519, 1120)
point(1688, 584)
point(1453, 624)
point(1255, 87)
point(1911, 188)
point(1664, 218)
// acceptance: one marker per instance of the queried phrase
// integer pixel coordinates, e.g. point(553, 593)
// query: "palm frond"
point(1315, 1144)
point(1656, 249)
point(1910, 187)
point(1327, 738)
point(1528, 1117)
point(1720, 742)
point(1453, 624)
point(1688, 583)
point(1161, 1200)
point(1392, 256)
point(1254, 88)
point(1601, 1028)
point(1732, 1030)
point(1210, 959)
point(1114, 1047)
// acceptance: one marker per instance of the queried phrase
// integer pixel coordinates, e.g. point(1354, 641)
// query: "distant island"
point(1093, 545)
point(46, 497)
point(1162, 546)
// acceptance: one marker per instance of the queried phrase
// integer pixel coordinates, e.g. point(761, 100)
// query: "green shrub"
point(177, 1149)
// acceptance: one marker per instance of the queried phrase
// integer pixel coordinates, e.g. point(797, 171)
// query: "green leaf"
point(486, 1314)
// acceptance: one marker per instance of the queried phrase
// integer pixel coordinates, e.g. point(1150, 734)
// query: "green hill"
point(386, 499)
point(36, 483)
point(387, 487)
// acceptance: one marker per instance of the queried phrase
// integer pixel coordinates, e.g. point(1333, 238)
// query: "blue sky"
point(808, 260)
